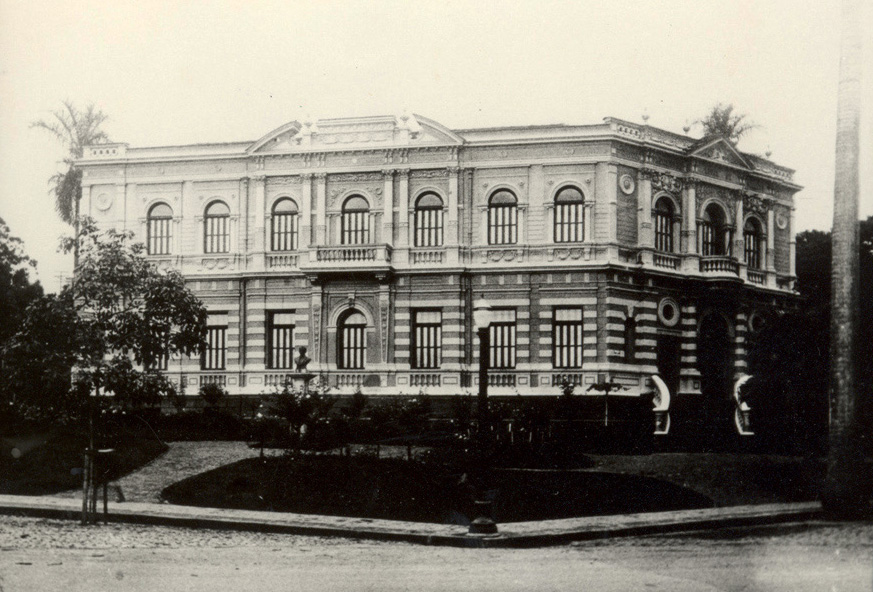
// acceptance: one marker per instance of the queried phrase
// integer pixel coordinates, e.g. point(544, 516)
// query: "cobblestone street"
point(39, 554)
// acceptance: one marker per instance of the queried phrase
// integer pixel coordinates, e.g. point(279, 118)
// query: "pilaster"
point(403, 208)
point(388, 201)
point(452, 224)
point(645, 236)
point(305, 238)
point(320, 209)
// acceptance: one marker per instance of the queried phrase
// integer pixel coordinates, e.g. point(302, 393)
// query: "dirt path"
point(182, 460)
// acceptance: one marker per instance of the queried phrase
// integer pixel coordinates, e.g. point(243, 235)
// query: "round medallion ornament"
point(627, 184)
point(668, 312)
point(103, 202)
point(781, 221)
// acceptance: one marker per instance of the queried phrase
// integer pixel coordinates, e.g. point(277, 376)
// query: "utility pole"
point(845, 494)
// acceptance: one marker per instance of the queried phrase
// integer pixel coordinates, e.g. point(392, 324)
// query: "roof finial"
point(645, 117)
point(768, 153)
point(686, 128)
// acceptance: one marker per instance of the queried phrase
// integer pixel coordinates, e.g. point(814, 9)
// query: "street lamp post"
point(482, 317)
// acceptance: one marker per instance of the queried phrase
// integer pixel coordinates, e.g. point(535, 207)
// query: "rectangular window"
point(356, 228)
point(284, 232)
point(428, 227)
point(569, 222)
point(354, 346)
point(217, 235)
point(427, 339)
point(502, 333)
point(567, 338)
point(663, 232)
point(159, 235)
point(502, 225)
point(214, 357)
point(162, 364)
point(280, 347)
point(753, 251)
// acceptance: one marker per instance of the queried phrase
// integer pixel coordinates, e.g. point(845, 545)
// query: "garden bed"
point(395, 489)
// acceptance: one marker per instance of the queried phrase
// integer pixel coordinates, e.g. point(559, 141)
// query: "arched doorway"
point(715, 361)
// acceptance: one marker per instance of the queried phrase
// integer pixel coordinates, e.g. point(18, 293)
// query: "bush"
point(212, 394)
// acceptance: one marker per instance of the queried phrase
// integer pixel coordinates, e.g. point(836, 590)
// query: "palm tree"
point(722, 121)
point(844, 492)
point(75, 129)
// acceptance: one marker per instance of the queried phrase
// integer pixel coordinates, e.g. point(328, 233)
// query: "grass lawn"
point(47, 463)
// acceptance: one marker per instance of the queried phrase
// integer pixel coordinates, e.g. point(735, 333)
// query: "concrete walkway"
point(515, 534)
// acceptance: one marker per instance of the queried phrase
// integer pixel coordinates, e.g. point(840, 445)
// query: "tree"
point(74, 129)
point(722, 121)
point(16, 289)
point(118, 310)
point(844, 492)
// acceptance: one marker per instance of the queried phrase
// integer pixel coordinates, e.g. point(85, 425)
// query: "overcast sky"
point(182, 72)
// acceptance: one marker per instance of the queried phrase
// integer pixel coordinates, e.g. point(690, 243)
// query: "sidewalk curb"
point(516, 534)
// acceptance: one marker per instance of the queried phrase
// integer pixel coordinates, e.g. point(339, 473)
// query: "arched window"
point(352, 343)
point(429, 221)
point(502, 218)
point(752, 241)
point(216, 235)
point(356, 221)
point(714, 236)
point(664, 225)
point(569, 216)
point(160, 229)
point(283, 235)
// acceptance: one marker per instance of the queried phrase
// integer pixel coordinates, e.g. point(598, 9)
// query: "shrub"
point(212, 394)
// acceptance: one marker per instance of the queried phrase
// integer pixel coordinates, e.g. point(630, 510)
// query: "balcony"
point(423, 379)
point(665, 261)
point(349, 257)
point(427, 256)
point(756, 276)
point(719, 264)
point(279, 261)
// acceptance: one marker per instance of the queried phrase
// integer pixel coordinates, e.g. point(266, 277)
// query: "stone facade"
point(642, 307)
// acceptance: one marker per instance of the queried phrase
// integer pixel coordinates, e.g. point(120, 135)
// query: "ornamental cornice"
point(356, 177)
point(429, 174)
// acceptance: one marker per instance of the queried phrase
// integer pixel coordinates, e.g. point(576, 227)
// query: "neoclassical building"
point(612, 251)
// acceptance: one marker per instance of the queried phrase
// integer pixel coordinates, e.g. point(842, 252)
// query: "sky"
point(184, 71)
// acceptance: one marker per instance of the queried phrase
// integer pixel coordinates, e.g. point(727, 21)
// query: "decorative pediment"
point(357, 133)
point(720, 150)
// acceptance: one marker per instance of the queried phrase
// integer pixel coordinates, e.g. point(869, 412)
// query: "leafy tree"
point(722, 121)
point(16, 289)
point(118, 310)
point(75, 129)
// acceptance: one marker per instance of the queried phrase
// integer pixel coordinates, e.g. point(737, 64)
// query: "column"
point(645, 236)
point(388, 201)
point(771, 239)
point(321, 209)
point(305, 238)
